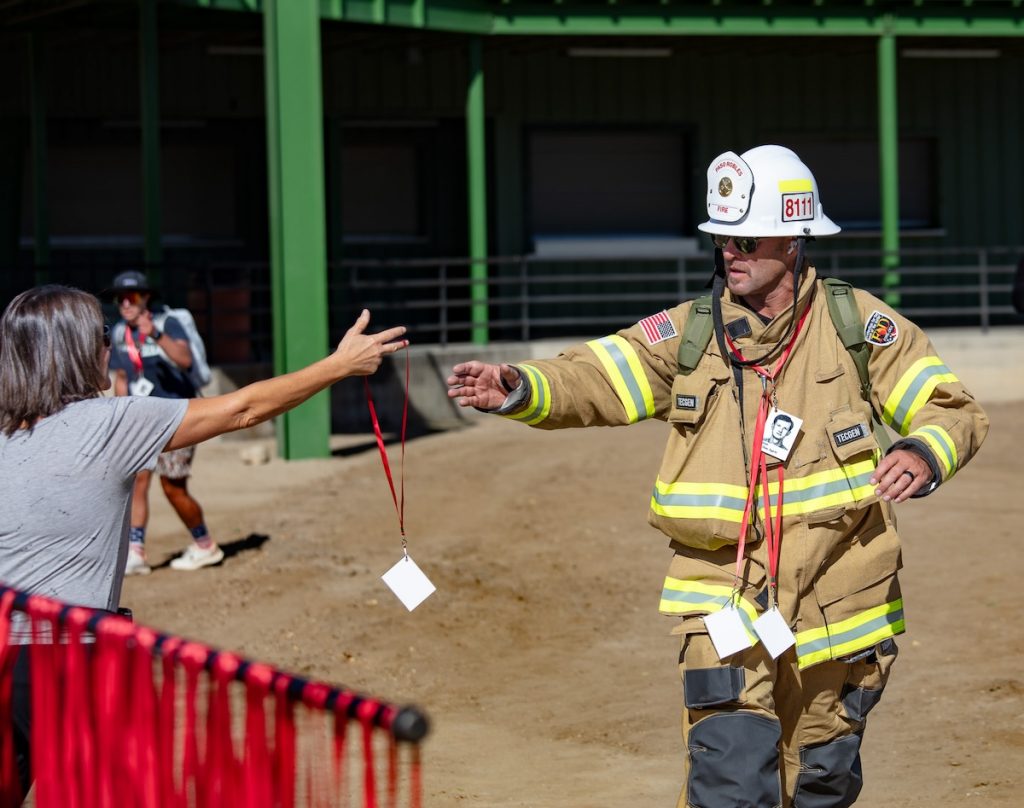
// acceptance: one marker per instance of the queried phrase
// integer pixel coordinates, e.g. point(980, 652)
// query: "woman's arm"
point(358, 354)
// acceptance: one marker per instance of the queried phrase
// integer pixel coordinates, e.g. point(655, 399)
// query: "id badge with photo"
point(780, 431)
point(141, 386)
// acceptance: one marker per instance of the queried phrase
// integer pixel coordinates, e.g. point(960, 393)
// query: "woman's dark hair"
point(51, 354)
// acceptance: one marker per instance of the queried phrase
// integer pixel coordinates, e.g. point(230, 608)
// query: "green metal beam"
point(660, 17)
point(476, 157)
point(40, 173)
point(772, 21)
point(149, 90)
point(291, 38)
point(888, 145)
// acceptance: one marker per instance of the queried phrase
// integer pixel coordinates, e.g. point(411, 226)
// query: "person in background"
point(69, 455)
point(150, 361)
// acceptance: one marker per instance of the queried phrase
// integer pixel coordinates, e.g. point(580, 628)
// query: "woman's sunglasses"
point(744, 244)
point(106, 336)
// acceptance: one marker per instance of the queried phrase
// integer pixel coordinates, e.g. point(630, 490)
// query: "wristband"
point(155, 335)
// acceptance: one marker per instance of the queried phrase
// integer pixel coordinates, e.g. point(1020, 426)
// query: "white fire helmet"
point(766, 191)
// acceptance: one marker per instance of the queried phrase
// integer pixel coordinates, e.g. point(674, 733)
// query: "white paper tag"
point(774, 633)
point(727, 631)
point(780, 430)
point(141, 386)
point(408, 583)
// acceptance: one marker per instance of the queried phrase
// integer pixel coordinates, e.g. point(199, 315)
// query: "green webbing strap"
point(696, 335)
point(842, 308)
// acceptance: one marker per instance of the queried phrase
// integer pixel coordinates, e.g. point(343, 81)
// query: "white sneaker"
point(195, 557)
point(136, 563)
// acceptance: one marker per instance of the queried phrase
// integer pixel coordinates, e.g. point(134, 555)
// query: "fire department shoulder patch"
point(880, 329)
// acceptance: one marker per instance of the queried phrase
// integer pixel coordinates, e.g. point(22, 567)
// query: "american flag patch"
point(658, 327)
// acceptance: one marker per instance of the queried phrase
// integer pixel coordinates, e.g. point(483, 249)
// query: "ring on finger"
point(909, 473)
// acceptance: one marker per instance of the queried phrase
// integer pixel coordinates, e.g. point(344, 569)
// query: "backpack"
point(842, 308)
point(199, 374)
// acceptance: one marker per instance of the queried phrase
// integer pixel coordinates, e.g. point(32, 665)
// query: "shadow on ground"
point(254, 541)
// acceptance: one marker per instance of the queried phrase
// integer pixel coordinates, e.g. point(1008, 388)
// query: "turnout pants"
point(760, 733)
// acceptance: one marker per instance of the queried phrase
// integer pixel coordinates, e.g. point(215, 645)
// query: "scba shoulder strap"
point(842, 308)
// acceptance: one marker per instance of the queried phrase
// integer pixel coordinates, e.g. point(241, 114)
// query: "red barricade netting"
point(124, 715)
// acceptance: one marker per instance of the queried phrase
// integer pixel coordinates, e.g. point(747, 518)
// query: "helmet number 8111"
point(797, 207)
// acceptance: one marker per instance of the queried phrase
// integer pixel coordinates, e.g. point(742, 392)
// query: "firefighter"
point(783, 579)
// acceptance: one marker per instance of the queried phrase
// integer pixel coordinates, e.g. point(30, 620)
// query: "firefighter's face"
point(758, 273)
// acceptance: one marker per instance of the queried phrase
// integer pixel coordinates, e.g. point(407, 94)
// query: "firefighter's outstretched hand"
point(478, 384)
point(900, 475)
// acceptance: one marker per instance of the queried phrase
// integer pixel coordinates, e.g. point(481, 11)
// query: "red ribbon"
point(133, 351)
point(398, 500)
point(759, 468)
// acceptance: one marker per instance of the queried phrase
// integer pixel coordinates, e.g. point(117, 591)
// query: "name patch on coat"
point(845, 436)
point(685, 402)
point(880, 329)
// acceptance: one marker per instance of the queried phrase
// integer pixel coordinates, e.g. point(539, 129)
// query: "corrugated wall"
point(722, 93)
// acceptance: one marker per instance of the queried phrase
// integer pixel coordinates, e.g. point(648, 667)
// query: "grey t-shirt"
point(65, 497)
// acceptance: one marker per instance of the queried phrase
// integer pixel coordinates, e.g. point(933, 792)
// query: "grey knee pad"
point(734, 762)
point(830, 774)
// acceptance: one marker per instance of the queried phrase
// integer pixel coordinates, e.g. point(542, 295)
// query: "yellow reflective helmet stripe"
point(623, 368)
point(686, 596)
point(539, 406)
point(851, 635)
point(942, 446)
point(791, 186)
point(913, 390)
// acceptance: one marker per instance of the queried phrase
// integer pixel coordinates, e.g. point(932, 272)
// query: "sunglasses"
point(744, 244)
point(106, 336)
point(129, 298)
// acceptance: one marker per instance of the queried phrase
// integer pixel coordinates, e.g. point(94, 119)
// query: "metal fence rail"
point(536, 298)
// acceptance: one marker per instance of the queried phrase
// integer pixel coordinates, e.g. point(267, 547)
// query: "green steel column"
point(40, 198)
point(888, 141)
point(149, 111)
point(291, 36)
point(477, 173)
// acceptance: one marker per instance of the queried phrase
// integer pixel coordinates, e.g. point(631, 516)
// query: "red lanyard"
point(398, 500)
point(133, 352)
point(759, 469)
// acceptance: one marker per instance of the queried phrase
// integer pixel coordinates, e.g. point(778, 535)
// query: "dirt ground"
point(549, 676)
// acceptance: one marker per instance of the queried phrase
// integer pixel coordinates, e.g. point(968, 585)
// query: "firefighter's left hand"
point(900, 475)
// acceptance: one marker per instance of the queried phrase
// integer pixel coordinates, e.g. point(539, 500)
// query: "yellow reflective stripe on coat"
point(942, 446)
point(815, 492)
point(851, 635)
point(822, 490)
point(624, 370)
point(913, 390)
point(686, 596)
point(699, 501)
point(540, 397)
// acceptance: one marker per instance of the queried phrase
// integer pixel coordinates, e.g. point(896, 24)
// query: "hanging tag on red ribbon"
point(405, 579)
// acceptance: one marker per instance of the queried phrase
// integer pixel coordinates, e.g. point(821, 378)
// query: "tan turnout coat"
point(840, 553)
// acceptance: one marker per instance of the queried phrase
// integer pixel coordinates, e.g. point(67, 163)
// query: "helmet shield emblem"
point(730, 185)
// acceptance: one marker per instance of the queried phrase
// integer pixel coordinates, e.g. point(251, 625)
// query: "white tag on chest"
point(774, 633)
point(728, 632)
point(780, 431)
point(141, 386)
point(409, 583)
